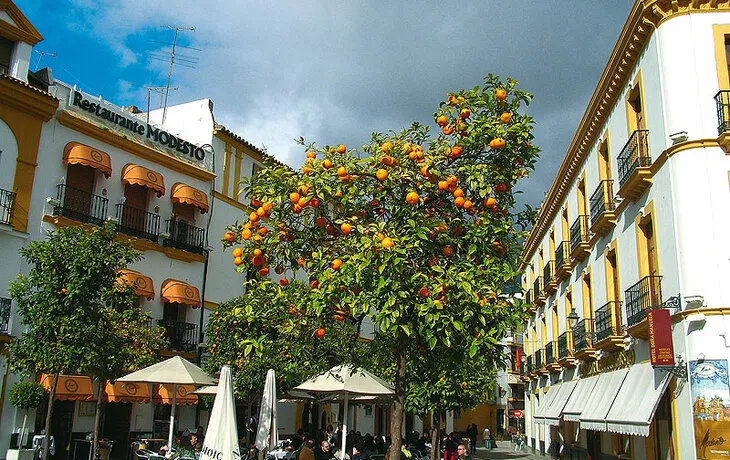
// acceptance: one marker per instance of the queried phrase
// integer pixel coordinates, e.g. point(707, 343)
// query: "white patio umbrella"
point(268, 432)
point(221, 440)
point(347, 380)
point(175, 371)
point(208, 390)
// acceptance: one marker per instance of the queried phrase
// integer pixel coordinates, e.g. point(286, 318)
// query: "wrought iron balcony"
point(185, 236)
point(608, 320)
point(645, 294)
point(548, 271)
point(522, 368)
point(538, 359)
point(530, 365)
point(5, 315)
point(182, 336)
point(549, 353)
point(80, 205)
point(635, 154)
point(562, 255)
point(7, 206)
point(138, 222)
point(563, 348)
point(722, 101)
point(538, 288)
point(579, 242)
point(582, 335)
point(528, 298)
point(602, 205)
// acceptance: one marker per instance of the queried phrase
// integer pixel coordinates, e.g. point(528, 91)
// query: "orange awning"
point(141, 284)
point(127, 392)
point(162, 394)
point(175, 291)
point(182, 193)
point(139, 175)
point(80, 154)
point(70, 387)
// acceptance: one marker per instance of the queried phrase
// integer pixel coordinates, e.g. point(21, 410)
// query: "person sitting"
point(184, 450)
point(462, 452)
point(305, 451)
point(196, 442)
point(324, 451)
point(358, 453)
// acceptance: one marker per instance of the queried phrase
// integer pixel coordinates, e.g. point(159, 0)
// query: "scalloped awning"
point(70, 387)
point(175, 291)
point(129, 392)
point(183, 193)
point(162, 394)
point(80, 154)
point(141, 284)
point(139, 175)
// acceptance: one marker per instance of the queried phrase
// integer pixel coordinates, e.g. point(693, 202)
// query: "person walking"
point(487, 436)
point(472, 433)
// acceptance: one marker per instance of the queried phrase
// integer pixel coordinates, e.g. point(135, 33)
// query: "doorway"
point(593, 439)
point(61, 427)
point(77, 196)
point(116, 428)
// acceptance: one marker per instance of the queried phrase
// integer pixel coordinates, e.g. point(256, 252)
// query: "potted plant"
point(25, 395)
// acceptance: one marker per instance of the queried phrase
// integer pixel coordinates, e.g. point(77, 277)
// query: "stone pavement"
point(505, 450)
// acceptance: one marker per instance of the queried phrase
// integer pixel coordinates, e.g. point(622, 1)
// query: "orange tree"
point(417, 232)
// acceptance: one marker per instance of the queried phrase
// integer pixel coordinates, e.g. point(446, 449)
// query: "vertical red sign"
point(519, 357)
point(661, 347)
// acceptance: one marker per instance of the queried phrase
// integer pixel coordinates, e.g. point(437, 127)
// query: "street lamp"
point(572, 318)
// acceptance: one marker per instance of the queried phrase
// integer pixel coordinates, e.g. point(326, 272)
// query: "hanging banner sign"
point(710, 395)
point(661, 347)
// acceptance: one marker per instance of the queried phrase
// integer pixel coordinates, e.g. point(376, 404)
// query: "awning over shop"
point(545, 400)
point(80, 154)
point(552, 413)
point(175, 291)
point(128, 392)
point(637, 400)
point(139, 175)
point(578, 399)
point(70, 387)
point(182, 193)
point(141, 284)
point(162, 394)
point(593, 416)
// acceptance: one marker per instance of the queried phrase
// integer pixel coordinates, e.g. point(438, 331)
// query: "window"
point(587, 296)
point(255, 170)
point(635, 116)
point(6, 54)
point(582, 206)
point(604, 160)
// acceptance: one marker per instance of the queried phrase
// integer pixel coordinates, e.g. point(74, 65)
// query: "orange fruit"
point(388, 160)
point(459, 201)
point(268, 206)
point(451, 180)
point(442, 121)
point(468, 204)
point(387, 243)
point(455, 151)
point(253, 217)
point(489, 202)
point(458, 192)
point(257, 252)
point(314, 202)
point(448, 130)
point(237, 261)
point(412, 198)
point(246, 234)
point(341, 148)
point(229, 236)
point(263, 231)
point(336, 264)
point(465, 113)
point(501, 94)
point(500, 188)
point(341, 171)
point(424, 172)
point(346, 228)
point(447, 251)
point(452, 100)
point(261, 212)
point(387, 146)
point(497, 143)
point(284, 282)
point(320, 221)
point(314, 284)
point(238, 252)
point(294, 197)
point(443, 185)
point(326, 163)
point(381, 174)
point(302, 201)
point(296, 209)
point(319, 332)
point(423, 292)
point(505, 118)
point(263, 271)
point(311, 154)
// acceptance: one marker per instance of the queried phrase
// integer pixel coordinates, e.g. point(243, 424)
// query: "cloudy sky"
point(335, 71)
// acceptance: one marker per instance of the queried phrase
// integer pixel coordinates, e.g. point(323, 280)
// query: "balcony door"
point(134, 215)
point(182, 229)
point(79, 190)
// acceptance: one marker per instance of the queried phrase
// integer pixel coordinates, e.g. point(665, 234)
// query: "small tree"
point(26, 395)
point(78, 318)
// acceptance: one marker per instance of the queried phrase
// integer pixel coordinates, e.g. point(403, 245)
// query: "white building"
point(634, 222)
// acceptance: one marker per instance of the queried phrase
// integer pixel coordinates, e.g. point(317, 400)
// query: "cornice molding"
point(23, 30)
point(26, 99)
point(644, 18)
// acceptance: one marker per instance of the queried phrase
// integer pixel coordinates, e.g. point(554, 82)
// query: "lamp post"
point(572, 321)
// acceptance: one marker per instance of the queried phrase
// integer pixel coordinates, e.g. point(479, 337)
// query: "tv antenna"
point(40, 56)
point(190, 60)
point(157, 89)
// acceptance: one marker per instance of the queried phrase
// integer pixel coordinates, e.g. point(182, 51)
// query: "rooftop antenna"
point(40, 56)
point(177, 29)
point(157, 89)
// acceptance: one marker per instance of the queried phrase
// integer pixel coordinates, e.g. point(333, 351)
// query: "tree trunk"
point(396, 419)
point(436, 435)
point(97, 420)
point(49, 413)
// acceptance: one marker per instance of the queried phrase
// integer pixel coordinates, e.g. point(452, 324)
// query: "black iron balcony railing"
point(522, 367)
point(7, 206)
point(548, 271)
point(563, 348)
point(579, 231)
point(185, 236)
point(538, 359)
point(634, 154)
point(80, 205)
point(4, 315)
point(608, 320)
point(530, 365)
point(537, 286)
point(582, 334)
point(601, 200)
point(645, 294)
point(549, 353)
point(528, 297)
point(138, 222)
point(722, 101)
point(562, 254)
point(182, 336)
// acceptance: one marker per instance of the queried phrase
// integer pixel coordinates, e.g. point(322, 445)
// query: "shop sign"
point(710, 393)
point(127, 124)
point(518, 413)
point(661, 348)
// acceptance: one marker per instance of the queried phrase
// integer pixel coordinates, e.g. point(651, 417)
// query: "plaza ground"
point(505, 450)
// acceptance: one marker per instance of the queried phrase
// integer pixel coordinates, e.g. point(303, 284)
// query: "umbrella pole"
point(344, 430)
point(172, 417)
